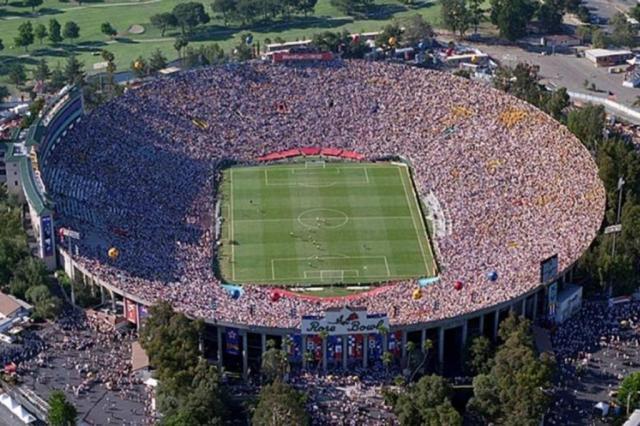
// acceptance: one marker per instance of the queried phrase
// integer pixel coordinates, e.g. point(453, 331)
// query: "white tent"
point(17, 409)
point(604, 407)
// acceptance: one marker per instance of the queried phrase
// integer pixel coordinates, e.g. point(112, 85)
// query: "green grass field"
point(126, 47)
point(124, 13)
point(322, 223)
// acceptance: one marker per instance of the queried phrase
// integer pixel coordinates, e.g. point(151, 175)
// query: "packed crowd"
point(345, 399)
point(516, 186)
point(84, 358)
point(594, 350)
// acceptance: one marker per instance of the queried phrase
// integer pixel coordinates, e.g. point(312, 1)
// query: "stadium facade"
point(344, 335)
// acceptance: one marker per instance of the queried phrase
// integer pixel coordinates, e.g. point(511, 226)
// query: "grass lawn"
point(126, 47)
point(322, 223)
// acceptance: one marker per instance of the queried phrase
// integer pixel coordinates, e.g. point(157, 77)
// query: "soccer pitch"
point(321, 223)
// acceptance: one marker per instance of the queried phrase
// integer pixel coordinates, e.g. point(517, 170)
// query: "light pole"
point(621, 183)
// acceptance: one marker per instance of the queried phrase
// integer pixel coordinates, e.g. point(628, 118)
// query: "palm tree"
point(427, 345)
point(323, 335)
point(307, 357)
point(387, 359)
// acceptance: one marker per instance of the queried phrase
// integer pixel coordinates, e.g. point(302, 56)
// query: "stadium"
point(340, 208)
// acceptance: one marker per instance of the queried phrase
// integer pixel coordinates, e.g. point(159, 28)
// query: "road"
point(566, 70)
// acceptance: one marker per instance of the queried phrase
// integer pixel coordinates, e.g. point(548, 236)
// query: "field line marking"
point(366, 174)
point(286, 219)
point(266, 178)
point(282, 259)
point(295, 280)
point(273, 270)
point(406, 194)
point(232, 241)
point(386, 264)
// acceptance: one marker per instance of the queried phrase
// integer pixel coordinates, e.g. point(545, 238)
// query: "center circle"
point(323, 218)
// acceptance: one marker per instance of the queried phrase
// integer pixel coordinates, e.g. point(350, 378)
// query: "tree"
point(583, 14)
point(242, 51)
point(476, 14)
point(107, 29)
point(33, 4)
point(61, 411)
point(634, 12)
point(226, 8)
point(550, 16)
point(341, 43)
point(17, 74)
point(179, 44)
point(417, 30)
point(427, 402)
point(280, 404)
point(41, 72)
point(201, 403)
point(190, 15)
point(521, 81)
point(511, 17)
point(275, 363)
point(427, 345)
point(587, 123)
point(54, 31)
point(40, 31)
point(30, 272)
point(456, 16)
point(599, 39)
point(479, 356)
point(557, 102)
point(11, 253)
point(71, 30)
point(4, 93)
point(514, 391)
point(171, 341)
point(73, 70)
point(306, 6)
point(247, 10)
point(584, 32)
point(390, 32)
point(157, 61)
point(359, 8)
point(623, 33)
point(387, 360)
point(629, 392)
point(58, 79)
point(163, 21)
point(25, 35)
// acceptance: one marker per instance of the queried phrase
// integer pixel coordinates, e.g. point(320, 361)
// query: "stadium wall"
point(29, 153)
point(449, 335)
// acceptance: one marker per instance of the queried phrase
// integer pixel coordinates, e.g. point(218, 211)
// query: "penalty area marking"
point(312, 172)
point(323, 258)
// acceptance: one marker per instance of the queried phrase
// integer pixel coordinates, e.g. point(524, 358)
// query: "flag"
point(232, 341)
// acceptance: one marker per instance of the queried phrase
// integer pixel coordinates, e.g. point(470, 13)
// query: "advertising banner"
point(46, 231)
point(232, 340)
point(343, 321)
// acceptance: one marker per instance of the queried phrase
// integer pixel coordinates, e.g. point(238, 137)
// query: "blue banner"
point(295, 348)
point(232, 340)
point(46, 230)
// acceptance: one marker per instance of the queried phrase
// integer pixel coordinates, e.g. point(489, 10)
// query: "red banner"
point(131, 311)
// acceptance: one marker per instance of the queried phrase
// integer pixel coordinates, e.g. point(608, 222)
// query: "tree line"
point(22, 275)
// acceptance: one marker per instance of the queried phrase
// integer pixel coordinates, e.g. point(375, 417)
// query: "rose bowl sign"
point(345, 320)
